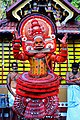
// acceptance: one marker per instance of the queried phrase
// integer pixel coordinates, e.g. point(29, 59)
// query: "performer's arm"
point(62, 56)
point(71, 80)
point(16, 51)
point(77, 80)
point(9, 84)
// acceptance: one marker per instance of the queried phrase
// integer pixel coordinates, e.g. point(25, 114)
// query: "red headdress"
point(37, 26)
point(36, 30)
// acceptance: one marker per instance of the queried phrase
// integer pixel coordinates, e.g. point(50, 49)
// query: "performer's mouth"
point(39, 47)
point(42, 50)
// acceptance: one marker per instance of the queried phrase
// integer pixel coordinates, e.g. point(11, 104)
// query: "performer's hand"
point(19, 37)
point(68, 81)
point(16, 36)
point(71, 77)
point(63, 41)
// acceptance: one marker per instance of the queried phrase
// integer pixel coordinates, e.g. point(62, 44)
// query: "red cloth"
point(36, 108)
point(37, 97)
point(37, 87)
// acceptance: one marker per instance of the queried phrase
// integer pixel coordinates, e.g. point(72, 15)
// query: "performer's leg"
point(11, 114)
point(15, 117)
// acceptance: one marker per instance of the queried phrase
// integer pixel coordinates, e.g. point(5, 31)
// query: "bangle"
point(64, 48)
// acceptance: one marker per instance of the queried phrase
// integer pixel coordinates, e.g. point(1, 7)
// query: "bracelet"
point(64, 48)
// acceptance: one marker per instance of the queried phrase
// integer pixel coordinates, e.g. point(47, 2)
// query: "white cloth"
point(73, 112)
point(11, 97)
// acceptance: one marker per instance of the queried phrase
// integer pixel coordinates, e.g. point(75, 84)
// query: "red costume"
point(37, 90)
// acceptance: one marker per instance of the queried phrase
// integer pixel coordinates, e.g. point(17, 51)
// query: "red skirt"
point(37, 108)
point(37, 97)
point(37, 87)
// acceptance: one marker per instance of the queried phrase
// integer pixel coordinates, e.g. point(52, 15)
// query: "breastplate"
point(39, 67)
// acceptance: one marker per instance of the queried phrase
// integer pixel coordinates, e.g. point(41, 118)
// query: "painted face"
point(38, 44)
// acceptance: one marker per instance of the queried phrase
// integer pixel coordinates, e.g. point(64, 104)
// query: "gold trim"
point(14, 13)
point(71, 13)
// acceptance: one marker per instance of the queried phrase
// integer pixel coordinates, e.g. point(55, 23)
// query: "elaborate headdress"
point(36, 30)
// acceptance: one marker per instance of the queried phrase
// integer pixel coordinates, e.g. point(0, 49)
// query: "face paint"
point(38, 44)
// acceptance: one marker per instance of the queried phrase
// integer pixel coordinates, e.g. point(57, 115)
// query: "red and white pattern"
point(37, 108)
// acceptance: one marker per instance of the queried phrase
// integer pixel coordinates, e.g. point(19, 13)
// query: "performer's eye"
point(53, 36)
point(24, 39)
point(40, 41)
point(36, 42)
point(29, 48)
point(50, 45)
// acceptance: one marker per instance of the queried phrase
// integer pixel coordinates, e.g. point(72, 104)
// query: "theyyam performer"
point(37, 90)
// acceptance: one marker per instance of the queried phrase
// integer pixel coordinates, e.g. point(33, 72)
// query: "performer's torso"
point(14, 76)
point(38, 66)
point(73, 76)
